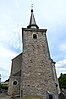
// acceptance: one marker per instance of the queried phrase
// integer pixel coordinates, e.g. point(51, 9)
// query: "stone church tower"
point(33, 71)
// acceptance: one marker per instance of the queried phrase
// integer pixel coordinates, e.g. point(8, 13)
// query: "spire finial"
point(31, 7)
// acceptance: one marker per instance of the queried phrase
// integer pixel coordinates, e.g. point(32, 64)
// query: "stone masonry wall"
point(15, 76)
point(37, 72)
point(14, 89)
point(16, 64)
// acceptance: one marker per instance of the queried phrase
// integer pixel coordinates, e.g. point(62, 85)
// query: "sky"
point(15, 14)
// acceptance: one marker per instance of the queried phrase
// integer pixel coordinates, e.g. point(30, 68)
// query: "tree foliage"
point(2, 86)
point(62, 81)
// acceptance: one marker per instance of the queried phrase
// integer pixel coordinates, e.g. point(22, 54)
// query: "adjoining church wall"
point(14, 80)
point(16, 64)
point(14, 85)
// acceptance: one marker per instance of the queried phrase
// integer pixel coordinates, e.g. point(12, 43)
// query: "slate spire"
point(32, 23)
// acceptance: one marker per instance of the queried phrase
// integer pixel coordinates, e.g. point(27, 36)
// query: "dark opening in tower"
point(34, 36)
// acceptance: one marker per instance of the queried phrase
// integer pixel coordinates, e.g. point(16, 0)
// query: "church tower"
point(38, 80)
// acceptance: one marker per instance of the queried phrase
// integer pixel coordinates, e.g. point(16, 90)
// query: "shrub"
point(4, 86)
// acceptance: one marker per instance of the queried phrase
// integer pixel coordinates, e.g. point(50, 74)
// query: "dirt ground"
point(6, 96)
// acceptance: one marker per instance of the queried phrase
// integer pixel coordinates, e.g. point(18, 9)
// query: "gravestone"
point(61, 95)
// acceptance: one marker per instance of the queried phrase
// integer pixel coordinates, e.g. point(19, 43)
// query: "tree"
point(62, 81)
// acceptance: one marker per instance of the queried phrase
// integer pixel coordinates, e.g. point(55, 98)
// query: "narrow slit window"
point(34, 36)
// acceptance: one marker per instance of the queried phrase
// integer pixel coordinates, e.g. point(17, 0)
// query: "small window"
point(34, 36)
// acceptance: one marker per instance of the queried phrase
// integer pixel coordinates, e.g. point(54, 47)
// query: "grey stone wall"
point(15, 76)
point(55, 77)
point(16, 64)
point(14, 89)
point(37, 72)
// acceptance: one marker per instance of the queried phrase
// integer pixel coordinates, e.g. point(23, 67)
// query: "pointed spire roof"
point(32, 23)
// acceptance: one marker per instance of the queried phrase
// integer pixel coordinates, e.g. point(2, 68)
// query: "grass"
point(33, 97)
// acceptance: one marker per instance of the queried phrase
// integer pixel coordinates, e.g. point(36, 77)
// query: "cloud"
point(16, 3)
point(10, 34)
point(5, 52)
point(62, 47)
point(61, 64)
point(61, 67)
point(5, 63)
point(53, 12)
point(10, 43)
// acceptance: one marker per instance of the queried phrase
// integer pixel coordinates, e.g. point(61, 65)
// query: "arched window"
point(34, 36)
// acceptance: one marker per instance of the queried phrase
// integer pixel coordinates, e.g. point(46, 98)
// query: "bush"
point(0, 86)
point(62, 81)
point(3, 86)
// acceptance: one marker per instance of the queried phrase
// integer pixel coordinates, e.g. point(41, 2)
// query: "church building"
point(33, 73)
